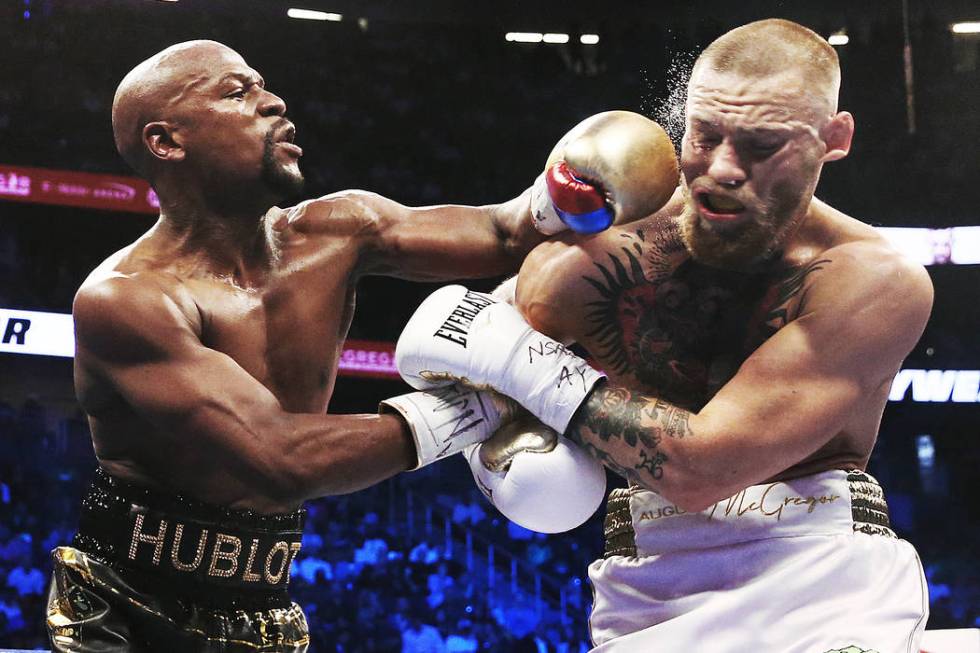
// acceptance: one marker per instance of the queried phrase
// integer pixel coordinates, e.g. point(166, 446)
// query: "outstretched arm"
point(447, 242)
point(616, 166)
point(788, 399)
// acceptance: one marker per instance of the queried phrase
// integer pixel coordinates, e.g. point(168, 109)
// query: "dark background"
point(426, 103)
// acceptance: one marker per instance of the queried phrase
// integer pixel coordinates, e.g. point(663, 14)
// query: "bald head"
point(152, 91)
point(773, 48)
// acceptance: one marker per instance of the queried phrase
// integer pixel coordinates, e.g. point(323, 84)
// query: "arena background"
point(429, 102)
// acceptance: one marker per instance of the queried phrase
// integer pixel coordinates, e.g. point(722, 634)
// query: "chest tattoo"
point(681, 328)
point(778, 315)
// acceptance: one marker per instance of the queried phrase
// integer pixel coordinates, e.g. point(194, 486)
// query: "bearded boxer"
point(749, 334)
point(206, 355)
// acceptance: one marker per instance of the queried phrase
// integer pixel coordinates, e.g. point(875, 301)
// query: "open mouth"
point(719, 208)
point(288, 134)
point(286, 141)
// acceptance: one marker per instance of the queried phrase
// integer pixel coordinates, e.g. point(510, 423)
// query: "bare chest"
point(656, 320)
point(287, 334)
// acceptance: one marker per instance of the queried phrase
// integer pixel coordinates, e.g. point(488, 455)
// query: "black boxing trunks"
point(152, 572)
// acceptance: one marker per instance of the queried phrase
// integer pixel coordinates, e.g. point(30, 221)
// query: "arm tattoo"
point(654, 465)
point(624, 430)
point(630, 475)
point(674, 419)
point(793, 285)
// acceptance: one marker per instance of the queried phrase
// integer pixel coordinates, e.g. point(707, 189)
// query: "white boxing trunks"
point(803, 566)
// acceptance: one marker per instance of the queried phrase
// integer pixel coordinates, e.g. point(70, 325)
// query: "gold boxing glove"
point(612, 168)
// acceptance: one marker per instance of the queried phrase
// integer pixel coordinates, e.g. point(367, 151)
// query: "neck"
point(224, 232)
point(810, 237)
point(238, 249)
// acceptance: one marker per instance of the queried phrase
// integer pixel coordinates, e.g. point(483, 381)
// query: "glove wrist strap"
point(444, 421)
point(552, 381)
point(543, 214)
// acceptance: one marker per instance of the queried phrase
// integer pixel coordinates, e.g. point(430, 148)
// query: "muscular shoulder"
point(144, 311)
point(349, 213)
point(561, 272)
point(875, 267)
point(859, 264)
point(867, 287)
point(548, 279)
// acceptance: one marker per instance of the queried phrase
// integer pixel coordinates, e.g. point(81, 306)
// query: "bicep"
point(788, 399)
point(152, 358)
point(802, 387)
point(195, 391)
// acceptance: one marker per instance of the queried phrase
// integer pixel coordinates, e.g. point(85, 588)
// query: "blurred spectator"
point(10, 610)
point(438, 584)
point(372, 551)
point(424, 553)
point(462, 640)
point(418, 637)
point(17, 548)
point(313, 570)
point(26, 580)
point(469, 513)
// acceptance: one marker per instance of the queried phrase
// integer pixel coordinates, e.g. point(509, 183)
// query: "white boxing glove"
point(446, 420)
point(536, 478)
point(459, 334)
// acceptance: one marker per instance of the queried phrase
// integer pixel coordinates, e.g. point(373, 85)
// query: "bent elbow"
point(293, 477)
point(281, 469)
point(278, 478)
point(691, 488)
point(697, 492)
point(695, 503)
point(685, 496)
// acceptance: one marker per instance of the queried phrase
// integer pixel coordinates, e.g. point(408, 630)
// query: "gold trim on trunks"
point(62, 623)
point(869, 512)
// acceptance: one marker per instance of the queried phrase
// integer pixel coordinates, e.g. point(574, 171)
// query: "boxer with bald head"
point(207, 353)
point(749, 334)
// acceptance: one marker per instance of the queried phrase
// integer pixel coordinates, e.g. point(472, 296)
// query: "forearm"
point(692, 458)
point(325, 455)
point(644, 439)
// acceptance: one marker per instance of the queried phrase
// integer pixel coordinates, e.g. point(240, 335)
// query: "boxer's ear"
point(837, 135)
point(162, 141)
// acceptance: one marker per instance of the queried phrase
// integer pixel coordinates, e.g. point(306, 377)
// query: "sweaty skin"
point(750, 331)
point(207, 350)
